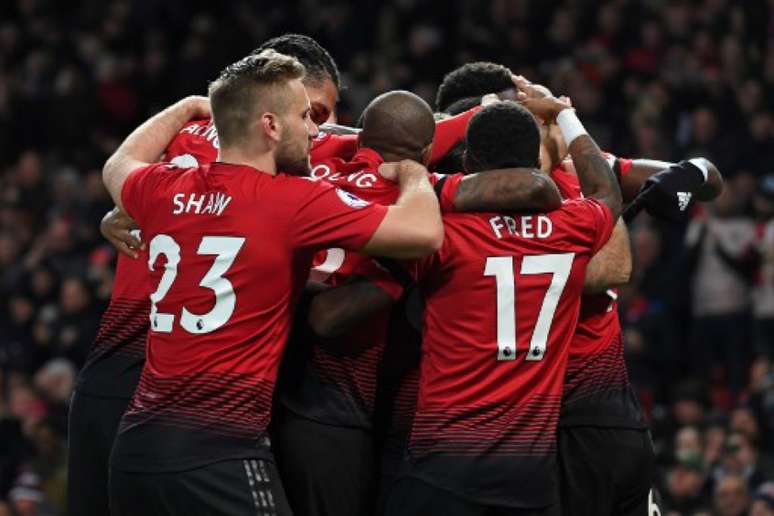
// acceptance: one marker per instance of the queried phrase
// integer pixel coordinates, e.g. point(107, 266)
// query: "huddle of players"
point(502, 293)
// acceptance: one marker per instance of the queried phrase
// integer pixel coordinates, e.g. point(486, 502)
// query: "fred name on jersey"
point(210, 203)
point(526, 226)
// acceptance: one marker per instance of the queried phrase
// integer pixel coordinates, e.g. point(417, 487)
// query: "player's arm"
point(643, 169)
point(596, 178)
point(412, 227)
point(147, 143)
point(507, 189)
point(612, 265)
point(337, 310)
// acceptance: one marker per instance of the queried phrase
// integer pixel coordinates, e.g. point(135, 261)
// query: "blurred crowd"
point(654, 79)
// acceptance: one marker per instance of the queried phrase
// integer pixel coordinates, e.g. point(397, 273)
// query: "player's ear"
point(427, 153)
point(271, 126)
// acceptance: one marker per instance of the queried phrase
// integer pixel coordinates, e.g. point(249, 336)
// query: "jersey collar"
point(368, 156)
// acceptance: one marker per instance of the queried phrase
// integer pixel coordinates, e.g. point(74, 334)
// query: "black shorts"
point(92, 429)
point(605, 471)
point(410, 496)
point(249, 487)
point(326, 470)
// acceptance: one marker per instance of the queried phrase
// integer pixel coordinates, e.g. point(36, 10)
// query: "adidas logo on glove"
point(683, 200)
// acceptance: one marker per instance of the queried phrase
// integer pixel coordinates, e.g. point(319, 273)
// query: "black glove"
point(670, 193)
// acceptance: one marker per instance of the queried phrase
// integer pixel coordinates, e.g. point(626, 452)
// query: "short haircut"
point(472, 80)
point(398, 124)
point(318, 62)
point(242, 85)
point(462, 105)
point(503, 135)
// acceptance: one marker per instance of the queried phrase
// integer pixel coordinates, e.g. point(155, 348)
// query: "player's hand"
point(528, 89)
point(198, 106)
point(117, 227)
point(401, 170)
point(545, 108)
point(671, 193)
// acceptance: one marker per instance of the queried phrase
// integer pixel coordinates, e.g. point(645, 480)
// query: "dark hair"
point(241, 85)
point(502, 135)
point(472, 80)
point(318, 62)
point(462, 105)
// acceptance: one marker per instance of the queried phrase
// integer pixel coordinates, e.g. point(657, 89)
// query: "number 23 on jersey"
point(225, 250)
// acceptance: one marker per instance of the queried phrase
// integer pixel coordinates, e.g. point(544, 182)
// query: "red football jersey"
point(502, 302)
point(596, 388)
point(339, 387)
point(229, 251)
point(199, 139)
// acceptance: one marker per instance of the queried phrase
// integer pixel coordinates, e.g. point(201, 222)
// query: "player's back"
point(502, 302)
point(229, 252)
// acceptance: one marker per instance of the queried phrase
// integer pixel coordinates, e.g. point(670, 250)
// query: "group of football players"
point(414, 317)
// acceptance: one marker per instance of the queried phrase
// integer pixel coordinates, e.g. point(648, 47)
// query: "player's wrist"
point(569, 125)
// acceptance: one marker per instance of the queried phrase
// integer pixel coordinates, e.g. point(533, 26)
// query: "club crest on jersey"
point(351, 200)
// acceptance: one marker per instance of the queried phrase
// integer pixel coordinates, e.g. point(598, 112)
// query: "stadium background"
point(655, 79)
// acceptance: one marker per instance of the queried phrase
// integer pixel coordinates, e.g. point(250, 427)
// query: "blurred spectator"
point(721, 292)
point(731, 497)
point(742, 457)
point(763, 500)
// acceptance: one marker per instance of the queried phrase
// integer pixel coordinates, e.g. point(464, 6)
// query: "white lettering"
point(208, 208)
point(320, 171)
point(194, 203)
point(366, 181)
point(496, 223)
point(545, 227)
point(191, 129)
point(178, 202)
point(511, 225)
point(221, 202)
point(526, 227)
point(217, 202)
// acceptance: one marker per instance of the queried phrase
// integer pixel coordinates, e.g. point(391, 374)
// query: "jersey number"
point(225, 250)
point(501, 267)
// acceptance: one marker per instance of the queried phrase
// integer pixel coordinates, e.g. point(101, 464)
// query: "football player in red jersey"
point(333, 392)
point(112, 370)
point(326, 403)
point(193, 440)
point(600, 409)
point(502, 301)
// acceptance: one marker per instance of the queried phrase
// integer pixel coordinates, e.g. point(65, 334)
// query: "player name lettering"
point(528, 226)
point(212, 203)
point(361, 179)
point(206, 131)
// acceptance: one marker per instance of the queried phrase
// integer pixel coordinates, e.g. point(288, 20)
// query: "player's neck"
point(262, 161)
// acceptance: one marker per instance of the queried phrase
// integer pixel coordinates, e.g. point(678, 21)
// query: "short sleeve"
point(328, 145)
point(445, 186)
point(592, 219)
point(450, 131)
point(330, 217)
point(139, 187)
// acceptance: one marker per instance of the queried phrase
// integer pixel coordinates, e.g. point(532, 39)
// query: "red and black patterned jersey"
point(230, 249)
point(597, 389)
point(335, 382)
point(115, 360)
point(502, 302)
